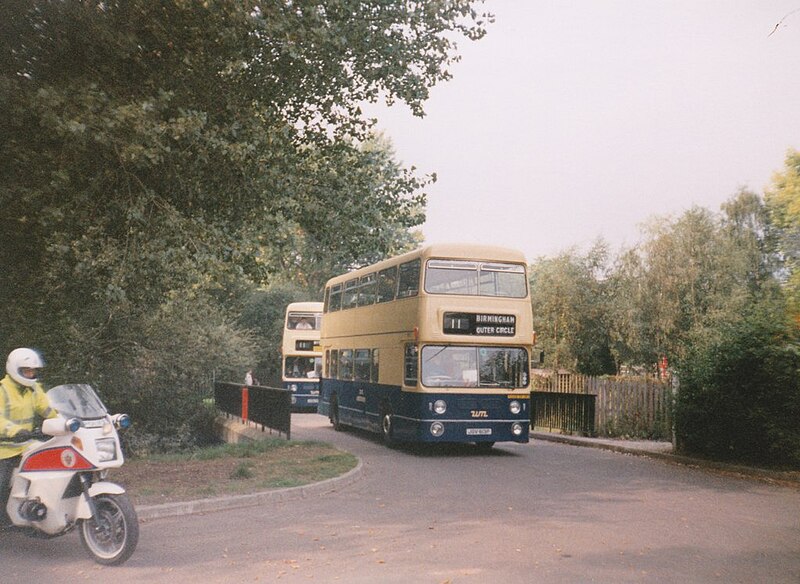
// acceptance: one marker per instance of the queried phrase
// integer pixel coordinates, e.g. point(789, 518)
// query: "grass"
point(230, 469)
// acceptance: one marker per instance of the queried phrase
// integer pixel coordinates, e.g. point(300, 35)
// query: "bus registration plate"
point(479, 431)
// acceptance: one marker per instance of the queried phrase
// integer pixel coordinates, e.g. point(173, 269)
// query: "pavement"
point(649, 448)
point(665, 451)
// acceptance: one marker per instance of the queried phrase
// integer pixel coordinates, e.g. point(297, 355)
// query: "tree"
point(568, 294)
point(783, 202)
point(156, 157)
point(682, 272)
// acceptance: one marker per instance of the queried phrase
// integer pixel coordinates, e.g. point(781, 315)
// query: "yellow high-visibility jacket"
point(18, 406)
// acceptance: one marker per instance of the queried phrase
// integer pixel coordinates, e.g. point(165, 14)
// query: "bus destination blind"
point(480, 324)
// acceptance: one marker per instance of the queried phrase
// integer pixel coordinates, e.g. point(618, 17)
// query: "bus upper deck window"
point(387, 284)
point(335, 300)
point(408, 284)
point(366, 290)
point(350, 296)
point(506, 280)
point(471, 278)
point(302, 321)
point(451, 277)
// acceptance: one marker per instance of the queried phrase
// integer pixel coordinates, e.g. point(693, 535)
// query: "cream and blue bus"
point(431, 346)
point(300, 353)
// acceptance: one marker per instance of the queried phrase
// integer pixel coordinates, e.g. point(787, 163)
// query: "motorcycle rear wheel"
point(111, 536)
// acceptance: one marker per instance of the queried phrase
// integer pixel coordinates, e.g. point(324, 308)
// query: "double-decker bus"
point(431, 346)
point(300, 353)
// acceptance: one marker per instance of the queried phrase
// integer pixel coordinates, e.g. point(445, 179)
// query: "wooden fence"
point(636, 407)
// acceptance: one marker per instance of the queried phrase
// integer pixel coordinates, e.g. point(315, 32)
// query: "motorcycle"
point(61, 483)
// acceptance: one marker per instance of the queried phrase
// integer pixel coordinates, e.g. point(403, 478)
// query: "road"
point(541, 512)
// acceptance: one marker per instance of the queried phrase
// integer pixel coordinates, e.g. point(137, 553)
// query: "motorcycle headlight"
point(106, 449)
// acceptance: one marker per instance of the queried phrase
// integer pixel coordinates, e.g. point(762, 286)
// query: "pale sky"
point(573, 120)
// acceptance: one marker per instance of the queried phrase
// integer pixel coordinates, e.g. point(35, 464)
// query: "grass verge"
point(230, 469)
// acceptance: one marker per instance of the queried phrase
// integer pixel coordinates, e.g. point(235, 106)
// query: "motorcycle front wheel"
point(112, 535)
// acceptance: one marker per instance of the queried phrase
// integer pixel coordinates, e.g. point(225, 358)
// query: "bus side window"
point(350, 296)
point(333, 364)
point(387, 284)
point(410, 365)
point(346, 364)
point(375, 365)
point(336, 298)
point(366, 290)
point(409, 279)
point(362, 365)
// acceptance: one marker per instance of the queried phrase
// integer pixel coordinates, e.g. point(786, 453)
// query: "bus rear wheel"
point(387, 429)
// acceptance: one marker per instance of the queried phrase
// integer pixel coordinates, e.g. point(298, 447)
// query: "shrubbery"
point(739, 397)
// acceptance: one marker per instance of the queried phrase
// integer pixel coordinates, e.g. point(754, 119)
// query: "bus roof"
point(304, 307)
point(465, 251)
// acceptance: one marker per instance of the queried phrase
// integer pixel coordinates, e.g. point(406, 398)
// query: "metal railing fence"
point(270, 407)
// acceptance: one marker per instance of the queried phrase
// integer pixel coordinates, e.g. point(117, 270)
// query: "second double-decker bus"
point(431, 346)
point(300, 353)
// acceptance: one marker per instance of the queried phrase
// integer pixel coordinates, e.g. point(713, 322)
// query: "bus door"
point(362, 364)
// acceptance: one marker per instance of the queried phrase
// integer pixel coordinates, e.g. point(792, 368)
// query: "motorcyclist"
point(21, 398)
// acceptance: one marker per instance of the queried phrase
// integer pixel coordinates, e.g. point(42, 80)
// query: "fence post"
point(245, 400)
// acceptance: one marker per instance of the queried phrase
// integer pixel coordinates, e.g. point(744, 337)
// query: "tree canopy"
point(159, 159)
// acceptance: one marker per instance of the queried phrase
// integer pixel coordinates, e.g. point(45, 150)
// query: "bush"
point(739, 396)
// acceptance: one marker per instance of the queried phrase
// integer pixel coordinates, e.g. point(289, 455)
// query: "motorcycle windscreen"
point(76, 400)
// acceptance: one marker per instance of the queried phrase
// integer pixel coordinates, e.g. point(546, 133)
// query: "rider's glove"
point(22, 436)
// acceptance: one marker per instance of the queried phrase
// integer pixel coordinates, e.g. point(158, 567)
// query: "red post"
point(245, 398)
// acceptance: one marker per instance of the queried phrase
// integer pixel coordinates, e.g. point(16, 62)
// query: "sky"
point(574, 120)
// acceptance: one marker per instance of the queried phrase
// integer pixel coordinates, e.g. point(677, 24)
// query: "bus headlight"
point(293, 387)
point(516, 429)
point(437, 429)
point(515, 407)
point(440, 406)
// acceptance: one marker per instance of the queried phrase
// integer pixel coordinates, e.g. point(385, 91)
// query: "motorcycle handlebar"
point(26, 436)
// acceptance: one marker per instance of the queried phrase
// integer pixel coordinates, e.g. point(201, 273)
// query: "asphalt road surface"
point(541, 512)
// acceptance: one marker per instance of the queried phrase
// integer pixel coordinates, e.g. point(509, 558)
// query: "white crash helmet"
point(19, 359)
